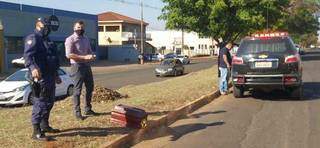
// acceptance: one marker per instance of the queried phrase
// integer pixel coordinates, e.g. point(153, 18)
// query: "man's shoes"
point(223, 93)
point(79, 117)
point(90, 112)
point(40, 137)
point(50, 130)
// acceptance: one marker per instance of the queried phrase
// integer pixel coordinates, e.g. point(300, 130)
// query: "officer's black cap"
point(43, 20)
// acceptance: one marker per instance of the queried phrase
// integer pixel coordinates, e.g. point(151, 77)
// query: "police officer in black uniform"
point(41, 58)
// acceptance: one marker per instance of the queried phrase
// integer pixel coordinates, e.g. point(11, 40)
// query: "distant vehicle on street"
point(15, 89)
point(157, 57)
point(183, 59)
point(170, 56)
point(267, 61)
point(169, 67)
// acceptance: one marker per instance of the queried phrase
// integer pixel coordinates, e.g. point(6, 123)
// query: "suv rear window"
point(276, 45)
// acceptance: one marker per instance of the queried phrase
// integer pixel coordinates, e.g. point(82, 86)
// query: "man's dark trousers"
point(81, 73)
point(43, 105)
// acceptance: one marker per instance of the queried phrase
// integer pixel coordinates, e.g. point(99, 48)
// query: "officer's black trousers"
point(43, 105)
point(81, 73)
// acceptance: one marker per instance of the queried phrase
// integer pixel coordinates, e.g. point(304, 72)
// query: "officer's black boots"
point(50, 130)
point(38, 134)
point(79, 116)
point(90, 113)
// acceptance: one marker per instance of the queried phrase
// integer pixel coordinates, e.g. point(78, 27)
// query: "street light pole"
point(141, 25)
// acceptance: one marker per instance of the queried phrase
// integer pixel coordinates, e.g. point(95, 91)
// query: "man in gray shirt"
point(79, 51)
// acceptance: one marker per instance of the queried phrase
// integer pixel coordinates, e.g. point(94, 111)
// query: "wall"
point(19, 22)
point(122, 54)
point(171, 40)
point(115, 37)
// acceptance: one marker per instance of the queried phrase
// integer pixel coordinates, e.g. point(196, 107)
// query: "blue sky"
point(125, 7)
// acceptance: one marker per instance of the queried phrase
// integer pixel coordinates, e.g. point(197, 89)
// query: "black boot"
point(37, 134)
point(79, 116)
point(49, 129)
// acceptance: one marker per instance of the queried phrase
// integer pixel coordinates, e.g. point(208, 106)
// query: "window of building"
point(112, 28)
point(210, 47)
point(202, 47)
point(205, 46)
point(14, 45)
point(191, 48)
point(101, 29)
point(199, 46)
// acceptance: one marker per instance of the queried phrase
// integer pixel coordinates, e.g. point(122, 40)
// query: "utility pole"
point(141, 29)
point(135, 39)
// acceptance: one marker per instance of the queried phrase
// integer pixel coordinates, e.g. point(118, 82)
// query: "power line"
point(136, 4)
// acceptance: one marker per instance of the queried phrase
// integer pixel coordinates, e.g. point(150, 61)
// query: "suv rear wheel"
point(297, 93)
point(238, 92)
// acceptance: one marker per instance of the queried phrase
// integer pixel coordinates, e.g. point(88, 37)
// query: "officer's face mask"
point(45, 31)
point(79, 32)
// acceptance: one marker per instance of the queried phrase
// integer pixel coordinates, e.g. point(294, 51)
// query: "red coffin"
point(128, 116)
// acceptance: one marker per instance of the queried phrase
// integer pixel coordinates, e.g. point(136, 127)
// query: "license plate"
point(263, 64)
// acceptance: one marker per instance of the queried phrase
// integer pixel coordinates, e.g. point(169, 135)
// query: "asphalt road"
point(136, 76)
point(261, 120)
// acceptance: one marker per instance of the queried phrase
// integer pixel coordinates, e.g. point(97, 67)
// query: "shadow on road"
point(179, 131)
point(199, 115)
point(310, 92)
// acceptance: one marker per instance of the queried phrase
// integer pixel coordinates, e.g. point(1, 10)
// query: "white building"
point(170, 41)
point(317, 15)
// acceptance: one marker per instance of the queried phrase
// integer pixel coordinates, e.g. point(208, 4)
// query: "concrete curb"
point(137, 136)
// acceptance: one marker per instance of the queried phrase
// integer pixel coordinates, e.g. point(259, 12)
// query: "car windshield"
point(277, 45)
point(167, 62)
point(18, 76)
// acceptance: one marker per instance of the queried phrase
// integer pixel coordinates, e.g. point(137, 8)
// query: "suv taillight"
point(292, 59)
point(237, 60)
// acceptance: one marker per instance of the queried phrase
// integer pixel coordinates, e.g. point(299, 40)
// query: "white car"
point(183, 59)
point(15, 89)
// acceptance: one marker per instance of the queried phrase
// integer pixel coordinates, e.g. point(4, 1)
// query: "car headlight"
point(22, 88)
point(170, 69)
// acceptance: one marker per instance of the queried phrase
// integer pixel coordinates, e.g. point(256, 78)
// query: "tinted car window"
point(61, 72)
point(277, 45)
point(167, 62)
point(178, 62)
point(18, 76)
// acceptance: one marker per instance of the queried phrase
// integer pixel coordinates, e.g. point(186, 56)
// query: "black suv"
point(267, 61)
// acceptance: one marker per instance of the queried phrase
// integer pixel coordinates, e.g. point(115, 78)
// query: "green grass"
point(157, 98)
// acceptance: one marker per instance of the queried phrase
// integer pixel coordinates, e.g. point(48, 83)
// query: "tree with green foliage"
point(301, 21)
point(230, 20)
point(223, 19)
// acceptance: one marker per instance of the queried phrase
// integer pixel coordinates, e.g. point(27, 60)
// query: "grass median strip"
point(156, 98)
